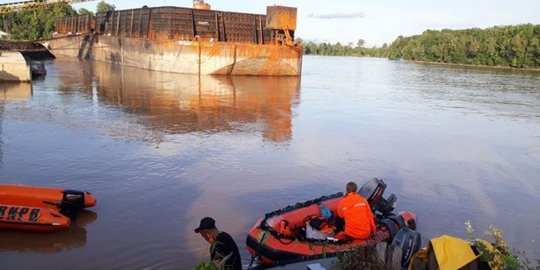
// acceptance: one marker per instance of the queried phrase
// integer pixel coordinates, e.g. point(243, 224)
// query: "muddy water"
point(161, 151)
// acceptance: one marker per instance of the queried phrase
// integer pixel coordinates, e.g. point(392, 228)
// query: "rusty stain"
point(174, 23)
point(279, 17)
point(184, 40)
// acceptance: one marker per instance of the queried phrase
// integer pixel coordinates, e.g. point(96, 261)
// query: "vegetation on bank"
point(515, 46)
point(38, 23)
point(497, 252)
point(102, 6)
point(510, 46)
point(338, 49)
point(34, 24)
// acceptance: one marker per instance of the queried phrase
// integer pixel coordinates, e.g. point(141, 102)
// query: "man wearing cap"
point(223, 250)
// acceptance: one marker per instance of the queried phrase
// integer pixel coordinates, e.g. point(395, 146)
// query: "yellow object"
point(421, 255)
point(452, 253)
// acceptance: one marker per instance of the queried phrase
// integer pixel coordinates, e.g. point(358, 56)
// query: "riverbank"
point(484, 67)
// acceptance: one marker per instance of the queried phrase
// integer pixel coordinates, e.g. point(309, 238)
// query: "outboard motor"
point(72, 201)
point(409, 242)
point(409, 218)
point(373, 191)
point(394, 223)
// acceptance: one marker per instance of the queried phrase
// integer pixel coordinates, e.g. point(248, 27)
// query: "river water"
point(160, 151)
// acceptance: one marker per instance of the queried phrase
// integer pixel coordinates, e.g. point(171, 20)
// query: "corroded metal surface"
point(188, 57)
point(185, 40)
point(74, 24)
point(174, 23)
point(279, 17)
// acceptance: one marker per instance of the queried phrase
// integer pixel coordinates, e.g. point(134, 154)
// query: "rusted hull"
point(187, 57)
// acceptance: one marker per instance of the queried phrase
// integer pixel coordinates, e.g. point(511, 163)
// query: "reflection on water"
point(11, 92)
point(177, 103)
point(74, 237)
point(15, 91)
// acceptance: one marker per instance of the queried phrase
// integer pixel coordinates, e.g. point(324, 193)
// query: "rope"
point(256, 251)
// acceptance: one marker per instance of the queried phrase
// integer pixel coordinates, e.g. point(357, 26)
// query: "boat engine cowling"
point(409, 218)
point(409, 242)
point(373, 192)
point(72, 201)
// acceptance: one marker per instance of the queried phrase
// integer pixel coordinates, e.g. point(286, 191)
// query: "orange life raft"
point(280, 237)
point(40, 208)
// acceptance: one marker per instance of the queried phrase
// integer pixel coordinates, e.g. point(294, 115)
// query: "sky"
point(374, 21)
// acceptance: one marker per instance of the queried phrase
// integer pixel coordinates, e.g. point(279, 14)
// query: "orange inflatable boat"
point(28, 218)
point(283, 236)
point(40, 208)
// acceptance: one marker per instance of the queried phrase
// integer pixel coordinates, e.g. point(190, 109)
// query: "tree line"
point(338, 49)
point(508, 46)
point(515, 46)
point(38, 23)
point(34, 24)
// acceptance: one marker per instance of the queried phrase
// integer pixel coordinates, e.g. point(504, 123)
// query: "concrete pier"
point(13, 67)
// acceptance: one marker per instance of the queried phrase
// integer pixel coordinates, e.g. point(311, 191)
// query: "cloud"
point(337, 16)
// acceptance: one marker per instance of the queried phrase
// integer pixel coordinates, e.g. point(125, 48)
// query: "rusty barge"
point(185, 40)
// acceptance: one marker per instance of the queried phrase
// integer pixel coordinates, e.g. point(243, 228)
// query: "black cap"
point(206, 223)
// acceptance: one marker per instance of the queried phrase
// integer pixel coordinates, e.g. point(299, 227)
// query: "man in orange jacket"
point(355, 210)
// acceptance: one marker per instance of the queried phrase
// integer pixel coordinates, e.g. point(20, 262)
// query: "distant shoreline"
point(534, 70)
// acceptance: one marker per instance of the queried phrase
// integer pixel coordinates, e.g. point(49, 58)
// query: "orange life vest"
point(359, 222)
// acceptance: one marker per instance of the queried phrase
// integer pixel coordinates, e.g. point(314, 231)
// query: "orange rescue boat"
point(40, 208)
point(27, 218)
point(281, 236)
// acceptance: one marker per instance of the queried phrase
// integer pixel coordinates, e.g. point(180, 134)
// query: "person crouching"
point(223, 250)
point(356, 212)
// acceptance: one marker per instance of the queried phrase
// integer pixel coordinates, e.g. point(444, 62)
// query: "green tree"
point(102, 6)
point(360, 43)
point(339, 49)
point(513, 46)
point(34, 24)
point(84, 11)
